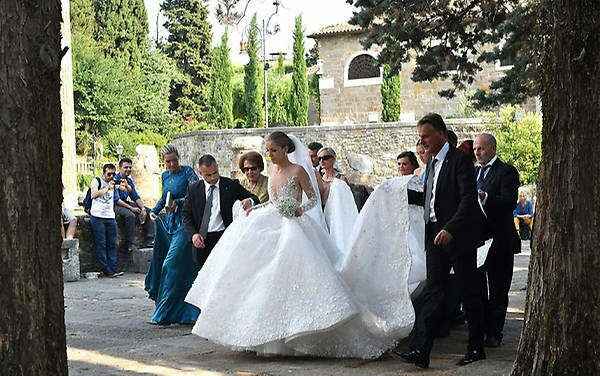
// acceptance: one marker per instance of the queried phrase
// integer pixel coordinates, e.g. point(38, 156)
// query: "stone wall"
point(366, 153)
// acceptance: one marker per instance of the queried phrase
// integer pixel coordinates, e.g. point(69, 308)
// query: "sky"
point(315, 15)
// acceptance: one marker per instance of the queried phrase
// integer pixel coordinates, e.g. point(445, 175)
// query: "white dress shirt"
point(215, 222)
point(440, 157)
point(489, 164)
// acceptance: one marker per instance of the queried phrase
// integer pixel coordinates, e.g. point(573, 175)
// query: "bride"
point(270, 284)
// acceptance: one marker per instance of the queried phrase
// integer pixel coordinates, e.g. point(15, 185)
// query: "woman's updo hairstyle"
point(282, 140)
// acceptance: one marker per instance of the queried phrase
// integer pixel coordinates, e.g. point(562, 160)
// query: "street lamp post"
point(265, 31)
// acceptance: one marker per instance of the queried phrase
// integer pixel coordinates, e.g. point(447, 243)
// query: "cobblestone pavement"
point(107, 334)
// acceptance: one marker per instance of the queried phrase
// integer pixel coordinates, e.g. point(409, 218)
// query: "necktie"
point(429, 190)
point(207, 210)
point(481, 177)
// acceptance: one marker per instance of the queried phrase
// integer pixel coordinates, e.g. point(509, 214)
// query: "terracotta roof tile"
point(341, 28)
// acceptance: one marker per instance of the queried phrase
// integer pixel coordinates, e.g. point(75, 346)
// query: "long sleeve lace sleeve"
point(312, 199)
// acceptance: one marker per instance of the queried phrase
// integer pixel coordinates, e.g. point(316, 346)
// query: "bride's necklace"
point(328, 179)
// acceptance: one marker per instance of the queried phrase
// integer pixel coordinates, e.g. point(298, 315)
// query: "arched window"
point(363, 66)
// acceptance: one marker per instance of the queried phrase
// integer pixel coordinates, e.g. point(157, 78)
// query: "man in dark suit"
point(452, 231)
point(497, 186)
point(207, 210)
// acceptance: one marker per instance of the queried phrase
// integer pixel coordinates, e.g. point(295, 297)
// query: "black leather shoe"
point(471, 357)
point(415, 357)
point(493, 342)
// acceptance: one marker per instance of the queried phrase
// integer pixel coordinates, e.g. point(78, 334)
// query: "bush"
point(129, 140)
point(520, 142)
point(109, 94)
point(83, 182)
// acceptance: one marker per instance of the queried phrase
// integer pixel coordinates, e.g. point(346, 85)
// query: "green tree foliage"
point(221, 90)
point(298, 110)
point(239, 99)
point(451, 40)
point(253, 91)
point(189, 45)
point(83, 20)
point(109, 95)
point(279, 92)
point(312, 56)
point(122, 29)
point(391, 95)
point(520, 142)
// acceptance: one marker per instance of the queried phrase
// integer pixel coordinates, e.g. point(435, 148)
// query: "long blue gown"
point(172, 271)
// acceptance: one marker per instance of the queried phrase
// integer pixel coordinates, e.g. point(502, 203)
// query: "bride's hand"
point(299, 212)
point(248, 210)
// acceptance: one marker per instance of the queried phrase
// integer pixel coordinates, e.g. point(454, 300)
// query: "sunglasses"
point(326, 157)
point(246, 169)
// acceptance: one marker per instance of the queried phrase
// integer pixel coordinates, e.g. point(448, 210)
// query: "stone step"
point(140, 260)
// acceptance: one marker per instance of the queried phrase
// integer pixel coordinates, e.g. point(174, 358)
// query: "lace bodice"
point(288, 197)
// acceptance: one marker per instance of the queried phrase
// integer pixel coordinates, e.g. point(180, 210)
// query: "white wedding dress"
point(271, 284)
point(340, 214)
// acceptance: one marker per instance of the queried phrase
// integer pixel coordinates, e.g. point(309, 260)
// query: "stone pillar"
point(146, 172)
point(69, 167)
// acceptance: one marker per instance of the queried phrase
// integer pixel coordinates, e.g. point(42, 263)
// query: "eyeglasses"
point(326, 157)
point(246, 169)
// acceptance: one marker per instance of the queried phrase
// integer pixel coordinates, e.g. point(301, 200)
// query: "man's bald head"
point(484, 147)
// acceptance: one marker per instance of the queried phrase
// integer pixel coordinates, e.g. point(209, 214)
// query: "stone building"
point(350, 81)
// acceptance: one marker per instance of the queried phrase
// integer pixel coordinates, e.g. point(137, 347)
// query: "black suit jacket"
point(501, 185)
point(456, 207)
point(193, 208)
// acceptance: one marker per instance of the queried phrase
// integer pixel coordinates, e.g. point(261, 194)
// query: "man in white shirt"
point(207, 210)
point(452, 230)
point(497, 186)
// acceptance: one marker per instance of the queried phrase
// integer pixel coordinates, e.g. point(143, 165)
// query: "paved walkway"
point(107, 334)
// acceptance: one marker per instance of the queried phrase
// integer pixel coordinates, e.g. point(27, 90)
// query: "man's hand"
point(136, 210)
point(246, 204)
point(443, 238)
point(299, 212)
point(198, 241)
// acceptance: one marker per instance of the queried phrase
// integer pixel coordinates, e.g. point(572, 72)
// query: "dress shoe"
point(492, 341)
point(472, 356)
point(416, 357)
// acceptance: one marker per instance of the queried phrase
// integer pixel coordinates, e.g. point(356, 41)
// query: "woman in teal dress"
point(173, 269)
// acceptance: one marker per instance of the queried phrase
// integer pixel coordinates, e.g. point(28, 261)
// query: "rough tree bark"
point(32, 327)
point(561, 335)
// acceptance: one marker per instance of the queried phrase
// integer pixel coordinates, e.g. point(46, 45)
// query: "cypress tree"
point(122, 29)
point(83, 19)
point(391, 95)
point(221, 91)
point(189, 45)
point(253, 91)
point(298, 111)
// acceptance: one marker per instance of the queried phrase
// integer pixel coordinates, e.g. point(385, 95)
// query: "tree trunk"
point(32, 327)
point(561, 335)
